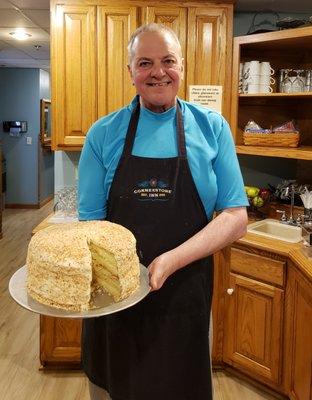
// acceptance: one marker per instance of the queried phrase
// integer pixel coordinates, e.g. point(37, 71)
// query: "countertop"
point(293, 251)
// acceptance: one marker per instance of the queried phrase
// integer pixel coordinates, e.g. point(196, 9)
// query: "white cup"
point(265, 89)
point(254, 67)
point(253, 80)
point(266, 80)
point(266, 69)
point(252, 88)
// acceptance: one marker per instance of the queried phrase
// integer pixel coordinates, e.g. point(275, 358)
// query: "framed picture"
point(45, 122)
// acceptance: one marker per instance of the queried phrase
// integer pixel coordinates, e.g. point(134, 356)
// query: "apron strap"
point(132, 127)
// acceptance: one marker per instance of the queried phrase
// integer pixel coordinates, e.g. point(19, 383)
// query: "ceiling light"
point(20, 34)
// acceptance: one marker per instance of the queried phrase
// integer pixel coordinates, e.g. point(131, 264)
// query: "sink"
point(271, 228)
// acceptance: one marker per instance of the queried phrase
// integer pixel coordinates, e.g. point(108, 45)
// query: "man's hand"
point(160, 269)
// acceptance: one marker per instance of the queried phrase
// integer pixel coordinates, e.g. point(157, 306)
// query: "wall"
point(20, 90)
point(66, 167)
point(243, 20)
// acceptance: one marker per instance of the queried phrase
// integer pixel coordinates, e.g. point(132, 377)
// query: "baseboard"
point(45, 201)
point(28, 206)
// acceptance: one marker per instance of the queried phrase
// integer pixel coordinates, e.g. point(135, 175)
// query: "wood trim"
point(46, 200)
point(184, 3)
point(221, 259)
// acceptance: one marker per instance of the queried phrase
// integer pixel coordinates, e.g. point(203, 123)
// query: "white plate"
point(103, 302)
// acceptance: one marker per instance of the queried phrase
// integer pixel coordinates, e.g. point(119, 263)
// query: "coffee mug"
point(265, 89)
point(266, 80)
point(253, 88)
point(266, 69)
point(254, 67)
point(253, 79)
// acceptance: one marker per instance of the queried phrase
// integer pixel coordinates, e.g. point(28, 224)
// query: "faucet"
point(290, 221)
point(292, 202)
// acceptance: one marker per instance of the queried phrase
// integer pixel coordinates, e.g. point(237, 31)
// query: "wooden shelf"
point(290, 48)
point(300, 153)
point(279, 95)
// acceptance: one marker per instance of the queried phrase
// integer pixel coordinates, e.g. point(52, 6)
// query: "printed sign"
point(206, 95)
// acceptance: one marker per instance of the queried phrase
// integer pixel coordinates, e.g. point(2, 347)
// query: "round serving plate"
point(103, 303)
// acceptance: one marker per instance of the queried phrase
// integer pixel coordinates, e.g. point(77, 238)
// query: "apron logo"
point(152, 190)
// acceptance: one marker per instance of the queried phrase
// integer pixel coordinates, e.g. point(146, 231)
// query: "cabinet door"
point(60, 342)
point(209, 49)
point(74, 74)
point(115, 25)
point(253, 328)
point(298, 337)
point(174, 18)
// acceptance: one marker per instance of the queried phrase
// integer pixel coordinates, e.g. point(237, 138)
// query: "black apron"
point(159, 348)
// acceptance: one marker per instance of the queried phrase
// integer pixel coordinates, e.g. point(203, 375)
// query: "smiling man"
point(156, 68)
point(160, 166)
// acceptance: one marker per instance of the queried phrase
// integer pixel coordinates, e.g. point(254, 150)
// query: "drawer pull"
point(230, 291)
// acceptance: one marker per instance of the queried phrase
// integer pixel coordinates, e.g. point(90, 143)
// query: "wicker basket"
point(278, 139)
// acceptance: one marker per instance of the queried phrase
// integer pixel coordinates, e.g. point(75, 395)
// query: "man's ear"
point(182, 69)
point(130, 72)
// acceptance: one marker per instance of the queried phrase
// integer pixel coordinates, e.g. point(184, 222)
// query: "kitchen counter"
point(290, 250)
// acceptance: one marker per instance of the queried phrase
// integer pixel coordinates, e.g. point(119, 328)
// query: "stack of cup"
point(253, 79)
point(266, 79)
point(256, 77)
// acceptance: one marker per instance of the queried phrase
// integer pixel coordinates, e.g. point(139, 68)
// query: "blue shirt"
point(210, 152)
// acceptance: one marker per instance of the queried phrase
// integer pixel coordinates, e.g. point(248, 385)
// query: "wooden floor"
point(20, 377)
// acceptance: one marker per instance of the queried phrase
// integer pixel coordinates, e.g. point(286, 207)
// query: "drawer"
point(253, 265)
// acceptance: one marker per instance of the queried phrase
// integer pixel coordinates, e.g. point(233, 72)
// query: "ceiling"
point(34, 16)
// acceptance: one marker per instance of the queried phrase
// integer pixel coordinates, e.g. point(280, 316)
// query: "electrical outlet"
point(28, 140)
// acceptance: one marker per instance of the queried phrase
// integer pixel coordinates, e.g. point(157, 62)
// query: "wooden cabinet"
point(89, 56)
point(60, 340)
point(298, 336)
point(292, 49)
point(115, 25)
point(73, 56)
point(254, 315)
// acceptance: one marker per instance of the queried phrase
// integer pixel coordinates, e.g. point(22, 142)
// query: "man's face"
point(156, 69)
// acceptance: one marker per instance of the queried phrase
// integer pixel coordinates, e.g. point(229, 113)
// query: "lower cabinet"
point(298, 336)
point(60, 342)
point(254, 316)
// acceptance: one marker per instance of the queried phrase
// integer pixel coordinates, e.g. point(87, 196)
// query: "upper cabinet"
point(74, 73)
point(89, 56)
point(115, 25)
point(287, 49)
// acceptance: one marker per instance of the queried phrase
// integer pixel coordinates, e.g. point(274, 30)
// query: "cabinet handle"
point(230, 291)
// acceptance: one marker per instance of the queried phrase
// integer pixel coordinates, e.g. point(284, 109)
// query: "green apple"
point(252, 191)
point(257, 201)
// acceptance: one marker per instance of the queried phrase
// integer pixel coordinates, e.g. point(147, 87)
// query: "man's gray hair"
point(151, 27)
